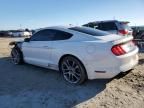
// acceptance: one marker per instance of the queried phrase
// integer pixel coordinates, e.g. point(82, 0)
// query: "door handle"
point(47, 47)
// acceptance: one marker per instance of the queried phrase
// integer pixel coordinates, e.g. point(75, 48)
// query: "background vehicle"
point(4, 33)
point(138, 32)
point(21, 34)
point(112, 26)
point(78, 52)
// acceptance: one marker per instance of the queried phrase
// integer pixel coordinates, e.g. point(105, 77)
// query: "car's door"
point(38, 50)
point(59, 45)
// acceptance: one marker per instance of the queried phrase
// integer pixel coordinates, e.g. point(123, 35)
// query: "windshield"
point(90, 31)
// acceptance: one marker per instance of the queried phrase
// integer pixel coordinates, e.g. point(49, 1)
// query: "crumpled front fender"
point(16, 44)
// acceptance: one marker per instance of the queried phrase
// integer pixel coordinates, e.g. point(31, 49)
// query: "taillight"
point(117, 50)
point(123, 32)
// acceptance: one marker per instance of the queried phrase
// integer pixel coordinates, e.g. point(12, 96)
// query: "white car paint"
point(93, 51)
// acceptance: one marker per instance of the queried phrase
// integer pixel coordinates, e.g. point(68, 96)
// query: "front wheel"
point(16, 56)
point(73, 70)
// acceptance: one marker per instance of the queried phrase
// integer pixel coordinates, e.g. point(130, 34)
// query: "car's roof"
point(58, 27)
point(53, 27)
point(97, 22)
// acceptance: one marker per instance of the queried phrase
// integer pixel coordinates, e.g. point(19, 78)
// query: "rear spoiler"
point(123, 40)
point(124, 22)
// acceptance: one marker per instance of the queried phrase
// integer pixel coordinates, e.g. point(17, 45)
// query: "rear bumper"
point(114, 66)
point(132, 63)
point(129, 61)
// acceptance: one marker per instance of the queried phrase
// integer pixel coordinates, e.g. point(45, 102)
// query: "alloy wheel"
point(15, 56)
point(71, 71)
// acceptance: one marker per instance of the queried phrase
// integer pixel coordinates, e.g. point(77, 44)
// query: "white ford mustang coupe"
point(80, 53)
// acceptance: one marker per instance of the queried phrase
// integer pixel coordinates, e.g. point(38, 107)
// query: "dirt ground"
point(27, 86)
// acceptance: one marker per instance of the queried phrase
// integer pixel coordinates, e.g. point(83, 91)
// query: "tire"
point(16, 56)
point(73, 70)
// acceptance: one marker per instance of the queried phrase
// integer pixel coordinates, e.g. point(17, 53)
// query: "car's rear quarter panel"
point(95, 55)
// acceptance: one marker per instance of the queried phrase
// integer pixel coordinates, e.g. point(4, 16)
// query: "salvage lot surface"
point(27, 86)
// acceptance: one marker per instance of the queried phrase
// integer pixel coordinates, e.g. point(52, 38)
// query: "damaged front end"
point(16, 44)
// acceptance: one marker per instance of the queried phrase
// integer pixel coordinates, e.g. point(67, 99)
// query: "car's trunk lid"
point(120, 43)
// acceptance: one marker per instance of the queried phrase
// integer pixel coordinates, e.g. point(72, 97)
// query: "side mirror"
point(26, 39)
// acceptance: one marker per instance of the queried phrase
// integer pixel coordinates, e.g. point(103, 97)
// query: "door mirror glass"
point(26, 39)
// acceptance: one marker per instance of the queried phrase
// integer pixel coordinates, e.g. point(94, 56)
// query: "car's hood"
point(15, 42)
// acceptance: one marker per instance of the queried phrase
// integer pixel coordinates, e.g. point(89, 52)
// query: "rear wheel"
point(73, 70)
point(16, 56)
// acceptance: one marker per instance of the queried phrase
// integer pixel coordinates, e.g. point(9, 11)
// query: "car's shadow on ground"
point(34, 86)
point(141, 61)
point(122, 74)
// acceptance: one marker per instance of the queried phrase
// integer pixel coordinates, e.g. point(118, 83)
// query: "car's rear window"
point(90, 31)
point(106, 26)
point(125, 26)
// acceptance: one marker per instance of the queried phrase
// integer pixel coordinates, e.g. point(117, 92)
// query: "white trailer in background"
point(21, 34)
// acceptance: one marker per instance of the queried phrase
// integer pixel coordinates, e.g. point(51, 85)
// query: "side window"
point(92, 25)
point(97, 26)
point(60, 35)
point(108, 26)
point(43, 35)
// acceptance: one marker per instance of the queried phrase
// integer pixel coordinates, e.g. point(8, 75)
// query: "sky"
point(32, 14)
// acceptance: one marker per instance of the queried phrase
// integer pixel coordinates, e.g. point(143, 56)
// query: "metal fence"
point(140, 44)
